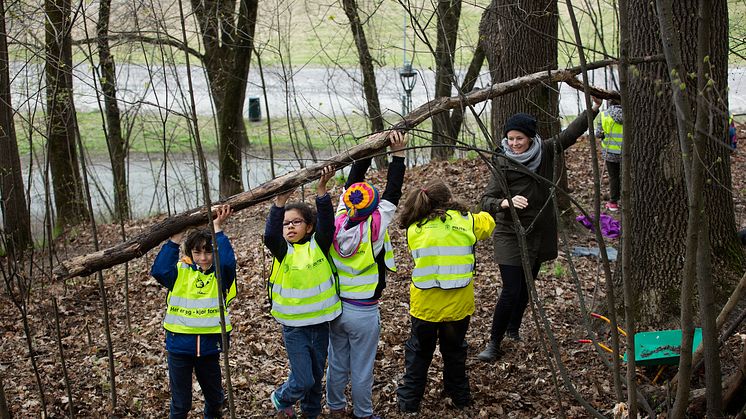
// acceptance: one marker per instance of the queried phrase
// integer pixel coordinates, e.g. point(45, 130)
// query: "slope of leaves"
point(519, 385)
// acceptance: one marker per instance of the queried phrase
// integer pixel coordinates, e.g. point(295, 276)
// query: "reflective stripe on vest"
point(302, 288)
point(438, 266)
point(358, 273)
point(613, 134)
point(193, 304)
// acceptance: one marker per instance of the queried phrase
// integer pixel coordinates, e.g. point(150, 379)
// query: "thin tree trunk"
point(61, 126)
point(707, 308)
point(16, 220)
point(269, 120)
point(628, 241)
point(68, 390)
point(370, 88)
point(610, 293)
point(116, 144)
point(448, 13)
point(100, 278)
point(470, 79)
point(205, 181)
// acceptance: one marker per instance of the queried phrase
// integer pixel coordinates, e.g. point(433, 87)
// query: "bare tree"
point(370, 90)
point(444, 133)
point(227, 30)
point(521, 38)
point(16, 221)
point(61, 124)
point(114, 140)
point(657, 166)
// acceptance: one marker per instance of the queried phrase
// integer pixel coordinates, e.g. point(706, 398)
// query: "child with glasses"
point(302, 290)
point(192, 321)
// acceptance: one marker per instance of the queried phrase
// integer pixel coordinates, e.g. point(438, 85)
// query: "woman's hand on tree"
point(519, 202)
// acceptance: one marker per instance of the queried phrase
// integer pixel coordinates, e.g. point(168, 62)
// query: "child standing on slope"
point(303, 294)
point(192, 321)
point(362, 253)
point(441, 234)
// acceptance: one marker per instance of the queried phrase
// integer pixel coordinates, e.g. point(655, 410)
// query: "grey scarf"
point(530, 158)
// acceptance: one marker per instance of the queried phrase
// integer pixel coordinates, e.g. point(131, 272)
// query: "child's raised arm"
point(273, 230)
point(324, 211)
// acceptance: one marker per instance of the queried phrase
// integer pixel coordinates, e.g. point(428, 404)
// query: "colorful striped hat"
point(360, 199)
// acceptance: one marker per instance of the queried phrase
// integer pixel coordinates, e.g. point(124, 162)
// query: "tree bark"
point(16, 220)
point(657, 170)
point(228, 40)
point(138, 245)
point(114, 141)
point(370, 88)
point(521, 38)
point(444, 136)
point(61, 125)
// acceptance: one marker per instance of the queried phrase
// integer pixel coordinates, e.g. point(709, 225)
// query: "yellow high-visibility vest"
point(443, 251)
point(193, 305)
point(613, 134)
point(303, 288)
point(358, 273)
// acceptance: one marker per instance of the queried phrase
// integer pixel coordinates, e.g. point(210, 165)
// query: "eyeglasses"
point(295, 223)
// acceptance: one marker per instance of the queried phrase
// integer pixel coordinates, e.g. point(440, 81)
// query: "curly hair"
point(428, 203)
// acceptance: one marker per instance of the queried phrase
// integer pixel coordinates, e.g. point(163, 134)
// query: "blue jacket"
point(165, 272)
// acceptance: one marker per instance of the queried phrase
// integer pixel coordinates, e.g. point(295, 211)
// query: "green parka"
point(542, 236)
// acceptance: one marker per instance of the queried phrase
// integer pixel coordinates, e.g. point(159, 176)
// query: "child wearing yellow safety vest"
point(441, 235)
point(303, 294)
point(362, 253)
point(192, 320)
point(610, 130)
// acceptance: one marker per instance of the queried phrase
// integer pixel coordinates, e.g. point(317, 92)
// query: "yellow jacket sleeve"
point(483, 225)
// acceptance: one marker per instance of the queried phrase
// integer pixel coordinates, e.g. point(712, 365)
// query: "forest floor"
point(518, 385)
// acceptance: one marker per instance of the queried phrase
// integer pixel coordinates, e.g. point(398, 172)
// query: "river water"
point(314, 92)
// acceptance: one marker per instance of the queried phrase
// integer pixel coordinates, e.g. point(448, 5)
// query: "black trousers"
point(418, 354)
point(512, 302)
point(615, 180)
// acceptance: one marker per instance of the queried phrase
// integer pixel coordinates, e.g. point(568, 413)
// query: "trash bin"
point(255, 110)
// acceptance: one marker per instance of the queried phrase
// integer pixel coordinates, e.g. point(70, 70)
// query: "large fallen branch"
point(138, 245)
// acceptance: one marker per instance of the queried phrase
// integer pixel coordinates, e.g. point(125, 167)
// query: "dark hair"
point(429, 202)
point(200, 239)
point(305, 210)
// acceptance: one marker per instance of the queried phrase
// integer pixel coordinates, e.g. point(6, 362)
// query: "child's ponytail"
point(428, 202)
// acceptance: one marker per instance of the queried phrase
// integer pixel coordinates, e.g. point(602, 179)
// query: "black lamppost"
point(408, 77)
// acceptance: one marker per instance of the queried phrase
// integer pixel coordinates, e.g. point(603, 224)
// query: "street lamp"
point(408, 78)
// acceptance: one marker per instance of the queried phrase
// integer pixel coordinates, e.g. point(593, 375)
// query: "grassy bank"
point(147, 133)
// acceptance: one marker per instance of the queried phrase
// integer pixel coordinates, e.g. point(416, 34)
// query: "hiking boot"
point(513, 335)
point(374, 416)
point(612, 206)
point(338, 414)
point(491, 353)
point(282, 412)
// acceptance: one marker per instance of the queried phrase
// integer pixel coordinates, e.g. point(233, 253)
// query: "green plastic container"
point(661, 347)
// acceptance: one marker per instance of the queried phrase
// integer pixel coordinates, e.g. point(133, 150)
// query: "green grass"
point(148, 133)
point(316, 33)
